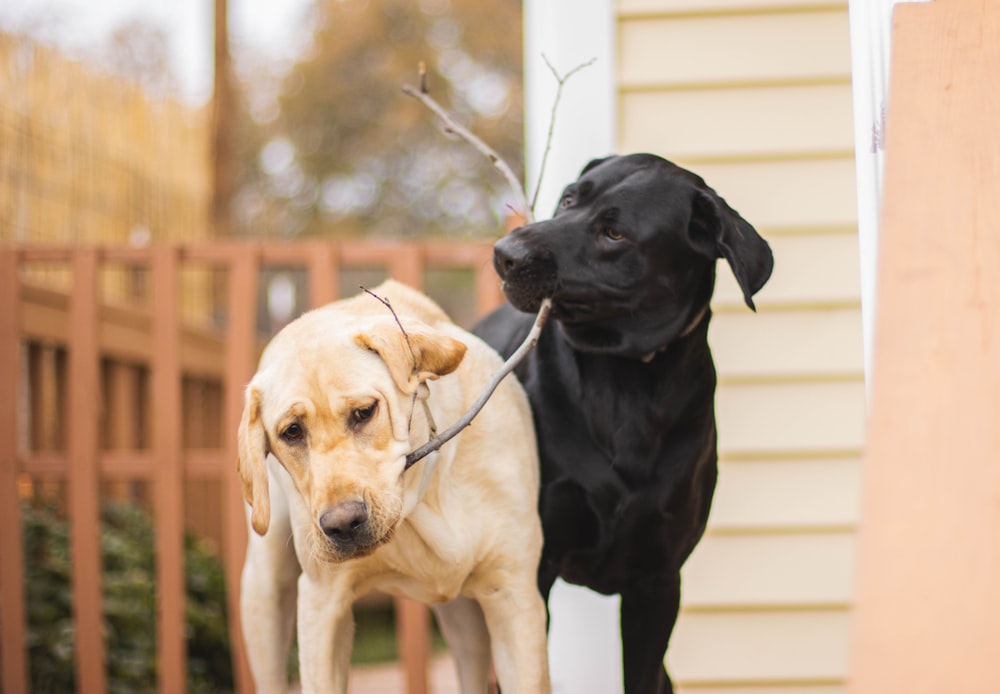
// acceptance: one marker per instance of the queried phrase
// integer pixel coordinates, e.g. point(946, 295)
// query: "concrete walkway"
point(388, 679)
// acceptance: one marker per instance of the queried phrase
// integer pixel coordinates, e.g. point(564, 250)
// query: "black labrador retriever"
point(622, 382)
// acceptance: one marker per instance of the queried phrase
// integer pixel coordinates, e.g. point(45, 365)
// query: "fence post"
point(169, 479)
point(12, 595)
point(241, 341)
point(323, 273)
point(84, 511)
point(413, 619)
point(407, 265)
point(489, 293)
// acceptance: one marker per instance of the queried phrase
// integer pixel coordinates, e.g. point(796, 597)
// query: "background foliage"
point(129, 582)
point(335, 148)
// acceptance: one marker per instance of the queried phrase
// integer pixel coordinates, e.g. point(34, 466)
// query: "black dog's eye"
point(612, 234)
point(566, 201)
point(363, 414)
point(293, 433)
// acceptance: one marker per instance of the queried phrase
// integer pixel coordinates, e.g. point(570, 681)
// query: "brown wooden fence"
point(95, 399)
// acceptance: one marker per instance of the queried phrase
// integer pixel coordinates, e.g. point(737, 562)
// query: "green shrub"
point(129, 583)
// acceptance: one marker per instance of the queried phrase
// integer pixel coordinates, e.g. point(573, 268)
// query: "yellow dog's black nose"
point(344, 521)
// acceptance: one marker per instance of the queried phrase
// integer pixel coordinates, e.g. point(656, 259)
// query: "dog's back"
point(404, 300)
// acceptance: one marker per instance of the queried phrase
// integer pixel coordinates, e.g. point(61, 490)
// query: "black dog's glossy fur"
point(622, 382)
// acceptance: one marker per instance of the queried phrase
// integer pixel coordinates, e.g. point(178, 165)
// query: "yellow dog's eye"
point(612, 234)
point(363, 414)
point(293, 433)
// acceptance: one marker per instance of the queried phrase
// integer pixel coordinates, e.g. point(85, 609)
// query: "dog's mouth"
point(526, 287)
point(529, 276)
point(567, 307)
point(336, 551)
point(353, 530)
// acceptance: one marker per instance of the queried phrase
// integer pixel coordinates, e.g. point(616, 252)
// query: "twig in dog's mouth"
point(438, 440)
point(508, 366)
point(527, 210)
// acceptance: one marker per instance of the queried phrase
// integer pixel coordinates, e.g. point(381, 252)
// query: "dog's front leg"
point(267, 598)
point(516, 618)
point(648, 613)
point(464, 630)
point(326, 635)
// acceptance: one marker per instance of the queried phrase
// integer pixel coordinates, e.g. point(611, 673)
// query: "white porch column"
point(584, 637)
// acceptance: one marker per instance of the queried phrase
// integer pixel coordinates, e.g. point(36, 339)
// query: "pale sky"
point(272, 26)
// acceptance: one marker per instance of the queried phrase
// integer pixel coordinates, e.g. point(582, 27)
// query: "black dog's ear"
point(720, 231)
point(594, 162)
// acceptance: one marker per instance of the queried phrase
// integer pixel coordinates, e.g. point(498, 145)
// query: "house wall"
point(927, 610)
point(756, 97)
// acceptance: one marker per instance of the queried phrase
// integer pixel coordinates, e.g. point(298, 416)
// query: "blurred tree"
point(336, 148)
point(139, 51)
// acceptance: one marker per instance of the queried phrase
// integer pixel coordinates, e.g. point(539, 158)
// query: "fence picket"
point(84, 409)
point(169, 492)
point(240, 361)
point(14, 676)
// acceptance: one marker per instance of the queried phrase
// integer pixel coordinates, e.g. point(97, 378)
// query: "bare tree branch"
point(413, 357)
point(452, 126)
point(465, 420)
point(385, 302)
point(528, 212)
point(552, 120)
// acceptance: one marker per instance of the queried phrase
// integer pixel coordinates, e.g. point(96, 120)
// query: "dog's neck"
point(692, 324)
point(637, 336)
point(423, 469)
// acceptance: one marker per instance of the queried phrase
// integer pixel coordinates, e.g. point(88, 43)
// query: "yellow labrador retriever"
point(340, 397)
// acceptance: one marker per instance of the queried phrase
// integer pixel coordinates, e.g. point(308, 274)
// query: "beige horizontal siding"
point(776, 570)
point(790, 494)
point(743, 122)
point(796, 343)
point(796, 193)
point(776, 417)
point(809, 269)
point(773, 47)
point(756, 647)
point(755, 97)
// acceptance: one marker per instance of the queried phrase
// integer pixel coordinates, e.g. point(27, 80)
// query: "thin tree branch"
point(465, 420)
point(552, 120)
point(385, 302)
point(452, 126)
point(413, 355)
point(528, 212)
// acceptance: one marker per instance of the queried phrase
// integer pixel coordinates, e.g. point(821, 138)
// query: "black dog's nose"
point(342, 522)
point(508, 255)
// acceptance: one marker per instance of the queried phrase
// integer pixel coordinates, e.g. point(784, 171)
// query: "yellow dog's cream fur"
point(458, 530)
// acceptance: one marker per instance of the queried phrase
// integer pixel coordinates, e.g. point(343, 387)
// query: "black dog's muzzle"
point(528, 274)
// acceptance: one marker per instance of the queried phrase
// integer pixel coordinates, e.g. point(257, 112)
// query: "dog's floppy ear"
point(252, 442)
point(721, 232)
point(595, 162)
point(435, 353)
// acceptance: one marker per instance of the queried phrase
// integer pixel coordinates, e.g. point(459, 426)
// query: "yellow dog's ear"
point(436, 354)
point(252, 451)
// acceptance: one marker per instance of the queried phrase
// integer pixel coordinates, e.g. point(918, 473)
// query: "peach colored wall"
point(927, 612)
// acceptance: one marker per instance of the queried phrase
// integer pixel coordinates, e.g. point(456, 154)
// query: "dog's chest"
point(629, 460)
point(639, 420)
point(427, 560)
